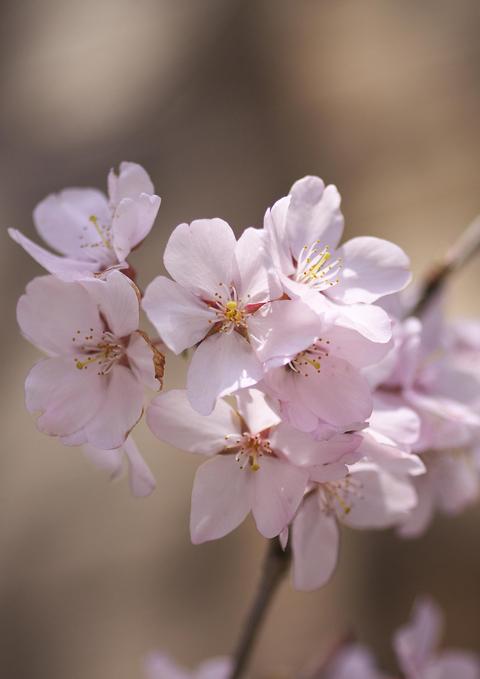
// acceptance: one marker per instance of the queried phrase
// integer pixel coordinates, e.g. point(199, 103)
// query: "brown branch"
point(275, 567)
point(464, 249)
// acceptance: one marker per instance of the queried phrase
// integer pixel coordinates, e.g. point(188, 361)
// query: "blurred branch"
point(466, 247)
point(274, 568)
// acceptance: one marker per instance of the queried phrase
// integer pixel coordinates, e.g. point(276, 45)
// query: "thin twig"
point(466, 247)
point(274, 568)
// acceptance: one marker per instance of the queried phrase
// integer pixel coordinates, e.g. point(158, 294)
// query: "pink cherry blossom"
point(254, 465)
point(368, 497)
point(91, 232)
point(416, 647)
point(319, 381)
point(219, 285)
point(161, 666)
point(353, 662)
point(90, 387)
point(141, 479)
point(303, 231)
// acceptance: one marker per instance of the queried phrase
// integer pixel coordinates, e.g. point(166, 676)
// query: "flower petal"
point(222, 364)
point(199, 256)
point(372, 268)
point(146, 361)
point(131, 181)
point(121, 409)
point(313, 215)
point(66, 397)
point(118, 300)
point(179, 317)
point(416, 642)
point(278, 491)
point(132, 222)
point(56, 316)
point(63, 221)
point(255, 409)
point(315, 543)
point(141, 480)
point(251, 262)
point(63, 267)
point(221, 498)
point(173, 420)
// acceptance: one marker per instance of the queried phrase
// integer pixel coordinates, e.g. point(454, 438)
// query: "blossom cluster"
point(314, 395)
point(416, 647)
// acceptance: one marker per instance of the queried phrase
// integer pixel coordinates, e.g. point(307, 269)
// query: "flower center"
point(101, 236)
point(315, 268)
point(311, 358)
point(338, 497)
point(249, 449)
point(230, 310)
point(103, 353)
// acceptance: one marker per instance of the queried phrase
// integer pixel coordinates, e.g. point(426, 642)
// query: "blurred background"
point(226, 103)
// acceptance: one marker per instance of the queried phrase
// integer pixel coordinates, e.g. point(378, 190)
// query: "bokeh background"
point(226, 103)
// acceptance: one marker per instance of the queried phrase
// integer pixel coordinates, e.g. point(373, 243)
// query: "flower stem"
point(275, 567)
point(466, 247)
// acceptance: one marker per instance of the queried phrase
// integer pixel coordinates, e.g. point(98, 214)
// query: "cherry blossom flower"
point(320, 381)
point(161, 666)
point(218, 286)
point(256, 464)
point(141, 479)
point(91, 232)
point(416, 648)
point(368, 497)
point(424, 373)
point(353, 662)
point(341, 283)
point(90, 388)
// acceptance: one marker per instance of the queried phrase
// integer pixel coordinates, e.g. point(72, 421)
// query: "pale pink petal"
point(200, 256)
point(256, 410)
point(131, 181)
point(372, 268)
point(353, 662)
point(377, 498)
point(215, 668)
point(267, 329)
point(63, 267)
point(222, 364)
point(282, 384)
point(369, 320)
point(278, 491)
point(455, 480)
point(315, 543)
point(420, 517)
point(251, 267)
point(337, 394)
point(52, 312)
point(453, 665)
point(393, 419)
point(161, 666)
point(274, 224)
point(313, 215)
point(179, 317)
point(110, 461)
point(141, 480)
point(78, 438)
point(302, 449)
point(173, 420)
point(416, 642)
point(132, 222)
point(141, 358)
point(352, 346)
point(221, 498)
point(383, 452)
point(118, 301)
point(121, 409)
point(63, 221)
point(66, 397)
